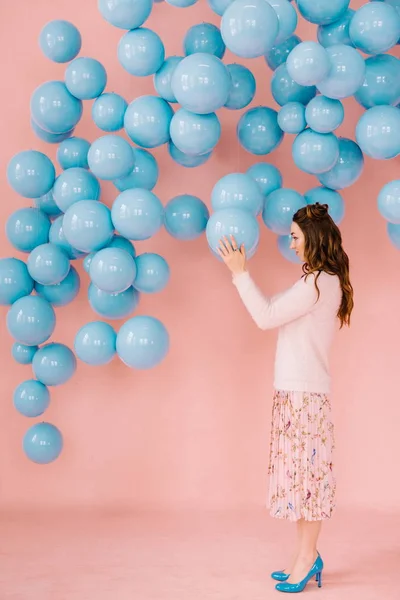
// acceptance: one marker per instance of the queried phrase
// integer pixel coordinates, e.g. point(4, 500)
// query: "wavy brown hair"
point(323, 251)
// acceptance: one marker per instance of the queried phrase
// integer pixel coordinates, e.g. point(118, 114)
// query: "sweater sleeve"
point(269, 313)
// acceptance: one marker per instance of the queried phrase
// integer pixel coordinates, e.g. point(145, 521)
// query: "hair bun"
point(317, 210)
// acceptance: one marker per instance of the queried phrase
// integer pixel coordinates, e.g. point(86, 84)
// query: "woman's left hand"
point(233, 256)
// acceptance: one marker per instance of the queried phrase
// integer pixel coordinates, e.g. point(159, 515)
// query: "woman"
point(301, 480)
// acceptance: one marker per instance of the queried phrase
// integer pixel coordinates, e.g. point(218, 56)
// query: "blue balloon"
point(242, 224)
point(249, 29)
point(112, 270)
point(204, 37)
point(113, 306)
point(336, 32)
point(393, 231)
point(267, 176)
point(87, 225)
point(73, 153)
point(43, 443)
point(382, 82)
point(315, 153)
point(31, 173)
point(287, 18)
point(31, 320)
point(63, 293)
point(125, 14)
point(186, 217)
point(87, 260)
point(324, 115)
point(54, 109)
point(291, 117)
point(48, 137)
point(284, 242)
point(95, 343)
point(308, 63)
point(27, 228)
point(47, 204)
point(31, 398)
point(285, 90)
point(120, 242)
point(57, 237)
point(347, 169)
point(195, 134)
point(111, 157)
point(54, 364)
point(389, 202)
point(147, 121)
point(201, 83)
point(375, 27)
point(322, 12)
point(153, 273)
point(142, 342)
point(258, 130)
point(378, 132)
point(162, 79)
point(243, 87)
point(187, 160)
point(137, 214)
point(73, 185)
point(279, 52)
point(219, 6)
point(144, 174)
point(23, 354)
point(346, 74)
point(60, 41)
point(141, 52)
point(15, 281)
point(279, 208)
point(48, 264)
point(333, 199)
point(237, 190)
point(108, 112)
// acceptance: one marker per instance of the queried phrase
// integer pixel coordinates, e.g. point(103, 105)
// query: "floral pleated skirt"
point(301, 475)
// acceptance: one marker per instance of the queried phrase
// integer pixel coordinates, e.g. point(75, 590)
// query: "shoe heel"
point(318, 579)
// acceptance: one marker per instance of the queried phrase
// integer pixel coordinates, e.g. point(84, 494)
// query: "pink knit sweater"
point(306, 328)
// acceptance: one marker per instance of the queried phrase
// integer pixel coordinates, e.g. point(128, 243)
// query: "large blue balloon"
point(15, 281)
point(31, 173)
point(185, 217)
point(308, 63)
point(336, 32)
point(141, 52)
point(393, 232)
point(125, 14)
point(378, 132)
point(162, 79)
point(147, 121)
point(48, 137)
point(194, 134)
point(142, 342)
point(27, 228)
point(322, 12)
point(87, 225)
point(73, 185)
point(249, 28)
point(284, 89)
point(111, 157)
point(54, 109)
point(63, 293)
point(346, 74)
point(60, 41)
point(279, 53)
point(187, 160)
point(315, 152)
point(57, 237)
point(31, 398)
point(375, 27)
point(347, 169)
point(113, 306)
point(47, 204)
point(23, 354)
point(112, 270)
point(280, 206)
point(382, 82)
point(284, 242)
point(43, 443)
point(389, 201)
point(54, 364)
point(85, 78)
point(324, 115)
point(144, 173)
point(108, 112)
point(31, 320)
point(242, 224)
point(287, 18)
point(258, 130)
point(204, 37)
point(73, 153)
point(137, 214)
point(201, 83)
point(48, 264)
point(291, 117)
point(267, 176)
point(153, 273)
point(237, 190)
point(95, 343)
point(243, 87)
point(333, 199)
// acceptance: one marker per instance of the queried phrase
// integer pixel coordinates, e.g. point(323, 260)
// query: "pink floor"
point(188, 556)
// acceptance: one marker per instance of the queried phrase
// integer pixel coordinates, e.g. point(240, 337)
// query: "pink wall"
point(195, 430)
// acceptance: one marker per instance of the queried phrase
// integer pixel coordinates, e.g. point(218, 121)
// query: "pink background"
point(194, 432)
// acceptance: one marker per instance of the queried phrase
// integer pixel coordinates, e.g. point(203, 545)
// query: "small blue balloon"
point(137, 214)
point(31, 398)
point(31, 320)
point(23, 354)
point(204, 37)
point(187, 160)
point(315, 153)
point(57, 237)
point(95, 343)
point(279, 208)
point(346, 74)
point(308, 63)
point(267, 176)
point(375, 27)
point(389, 202)
point(15, 281)
point(181, 3)
point(43, 443)
point(31, 173)
point(144, 174)
point(47, 204)
point(54, 364)
point(87, 225)
point(153, 273)
point(377, 132)
point(48, 137)
point(142, 342)
point(287, 18)
point(243, 87)
point(111, 157)
point(108, 112)
point(258, 130)
point(278, 54)
point(60, 41)
point(85, 78)
point(120, 242)
point(322, 12)
point(382, 82)
point(336, 32)
point(113, 306)
point(112, 270)
point(242, 224)
point(87, 260)
point(27, 228)
point(347, 169)
point(73, 153)
point(284, 242)
point(195, 134)
point(162, 79)
point(147, 121)
point(291, 117)
point(186, 217)
point(54, 109)
point(73, 185)
point(141, 52)
point(324, 115)
point(219, 6)
point(48, 264)
point(333, 199)
point(125, 14)
point(237, 190)
point(393, 232)
point(63, 293)
point(285, 90)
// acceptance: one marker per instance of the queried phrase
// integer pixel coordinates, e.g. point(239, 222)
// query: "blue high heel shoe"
point(293, 588)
